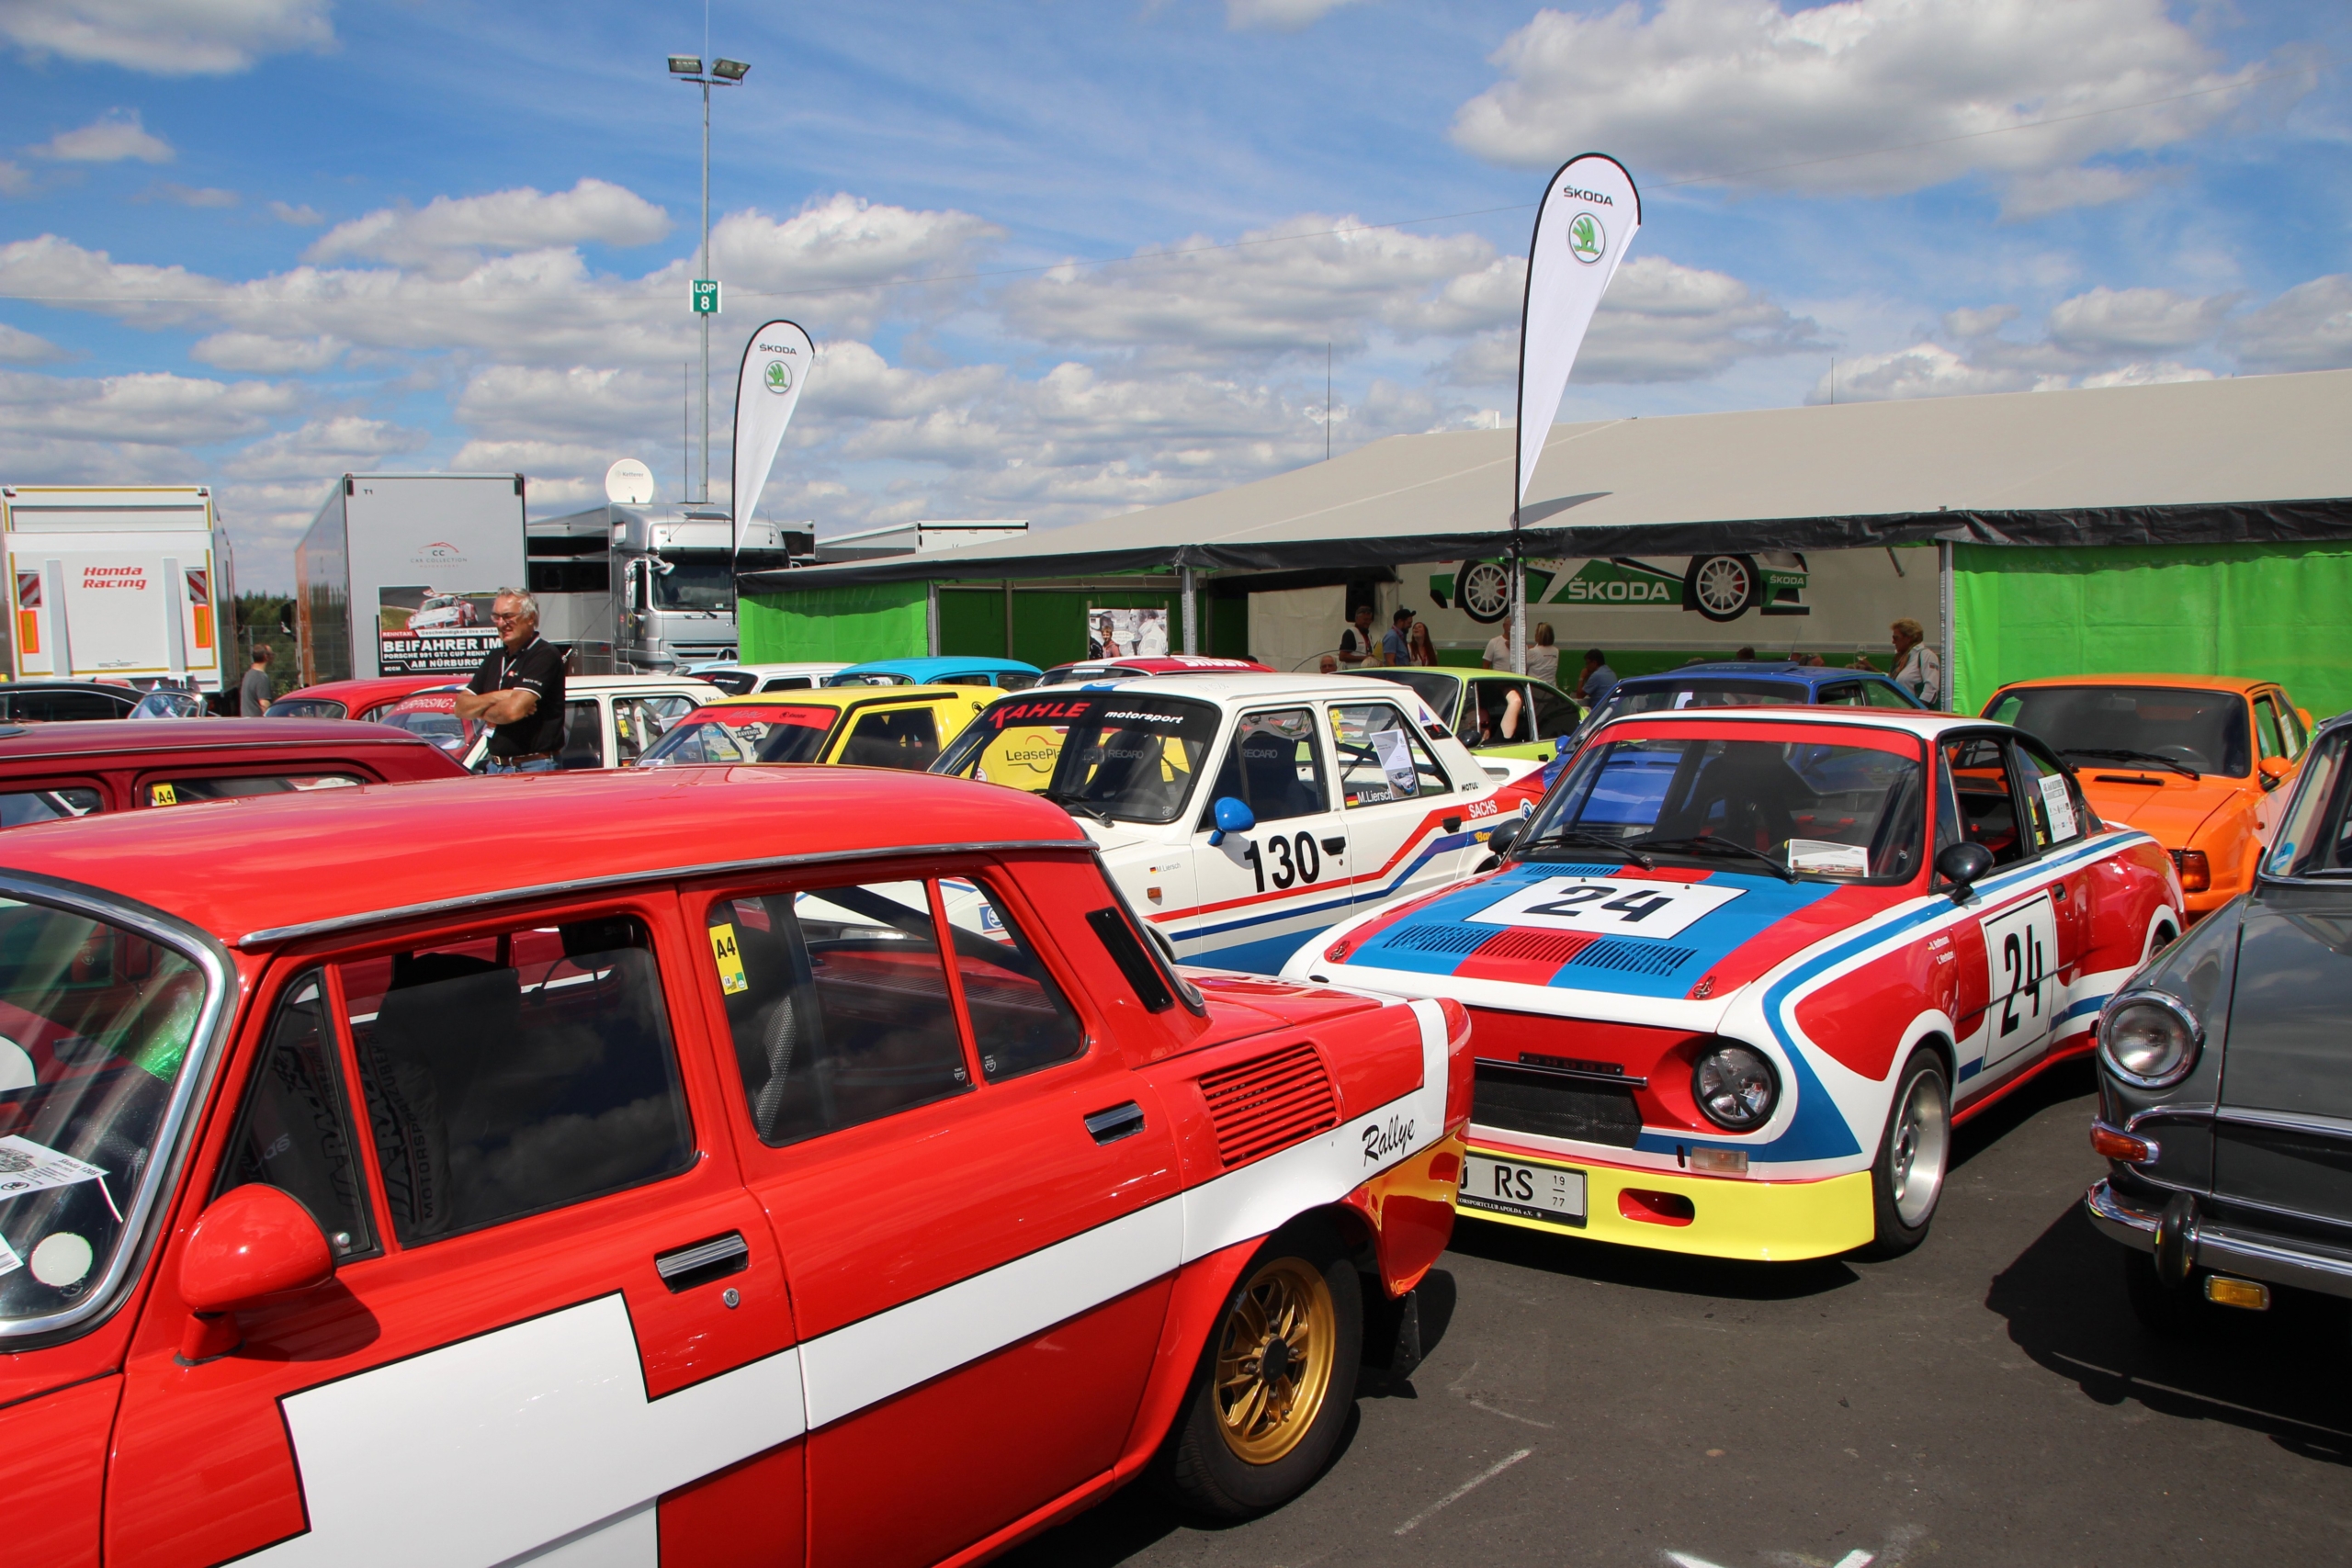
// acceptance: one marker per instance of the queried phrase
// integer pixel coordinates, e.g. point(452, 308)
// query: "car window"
point(1021, 1021)
point(1382, 757)
point(22, 808)
point(1496, 715)
point(1273, 766)
point(1016, 681)
point(746, 732)
point(1556, 714)
point(893, 737)
point(510, 1074)
point(1437, 690)
point(2292, 723)
point(100, 1024)
point(785, 683)
point(305, 708)
point(583, 735)
point(60, 707)
point(980, 680)
point(2053, 805)
point(2266, 728)
point(2315, 836)
point(294, 1132)
point(638, 723)
point(837, 999)
point(1848, 695)
point(189, 789)
point(2201, 729)
point(1887, 694)
point(1980, 778)
point(734, 683)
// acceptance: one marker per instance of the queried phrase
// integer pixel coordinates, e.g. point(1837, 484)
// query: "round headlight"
point(2149, 1040)
point(1734, 1087)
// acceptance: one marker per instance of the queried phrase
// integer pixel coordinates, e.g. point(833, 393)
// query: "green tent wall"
point(2274, 612)
point(852, 622)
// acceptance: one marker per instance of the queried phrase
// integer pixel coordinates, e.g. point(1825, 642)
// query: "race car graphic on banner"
point(1720, 587)
point(1739, 975)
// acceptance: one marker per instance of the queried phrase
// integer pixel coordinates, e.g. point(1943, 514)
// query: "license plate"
point(1529, 1191)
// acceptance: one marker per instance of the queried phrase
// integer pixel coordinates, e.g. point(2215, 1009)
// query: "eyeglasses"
point(511, 615)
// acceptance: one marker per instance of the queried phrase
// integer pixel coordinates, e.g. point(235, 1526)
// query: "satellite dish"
point(629, 484)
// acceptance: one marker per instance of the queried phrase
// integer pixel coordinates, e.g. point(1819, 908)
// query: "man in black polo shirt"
point(518, 691)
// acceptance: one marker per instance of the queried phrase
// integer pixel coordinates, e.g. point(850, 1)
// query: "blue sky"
point(257, 243)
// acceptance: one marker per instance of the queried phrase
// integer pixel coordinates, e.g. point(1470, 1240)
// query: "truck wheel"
point(1907, 1178)
point(1722, 588)
point(1275, 1382)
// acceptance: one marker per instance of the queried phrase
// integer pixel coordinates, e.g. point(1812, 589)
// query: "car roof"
point(159, 737)
point(1166, 665)
point(267, 863)
point(1217, 686)
point(121, 689)
point(1914, 721)
point(842, 696)
point(2188, 683)
point(804, 668)
point(368, 686)
point(923, 668)
point(1752, 670)
point(576, 684)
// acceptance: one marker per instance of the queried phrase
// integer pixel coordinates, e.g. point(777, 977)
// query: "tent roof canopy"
point(2260, 458)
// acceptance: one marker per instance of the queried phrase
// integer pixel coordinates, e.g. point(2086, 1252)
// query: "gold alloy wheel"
point(1274, 1360)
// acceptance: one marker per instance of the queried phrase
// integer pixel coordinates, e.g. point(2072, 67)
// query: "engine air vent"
point(1262, 1105)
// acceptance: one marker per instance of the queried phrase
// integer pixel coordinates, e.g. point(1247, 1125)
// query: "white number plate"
point(1621, 907)
point(2021, 964)
point(1530, 1191)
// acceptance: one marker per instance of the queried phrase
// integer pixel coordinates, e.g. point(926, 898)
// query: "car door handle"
point(1452, 824)
point(683, 1267)
point(1337, 846)
point(2058, 891)
point(1119, 1122)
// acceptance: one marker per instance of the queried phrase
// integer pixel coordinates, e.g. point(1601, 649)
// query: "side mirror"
point(2274, 771)
point(1963, 865)
point(1564, 744)
point(2305, 715)
point(253, 1243)
point(1232, 817)
point(1499, 841)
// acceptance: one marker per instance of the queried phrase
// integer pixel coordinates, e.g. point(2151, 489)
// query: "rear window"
point(238, 786)
point(1732, 693)
point(306, 707)
point(23, 808)
point(1438, 691)
point(746, 732)
point(432, 715)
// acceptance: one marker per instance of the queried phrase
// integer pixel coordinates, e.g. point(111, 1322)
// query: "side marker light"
point(2251, 1294)
point(2113, 1143)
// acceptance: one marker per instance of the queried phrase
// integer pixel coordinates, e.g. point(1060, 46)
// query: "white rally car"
point(1243, 814)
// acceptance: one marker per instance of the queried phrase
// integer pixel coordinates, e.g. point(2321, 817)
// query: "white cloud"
point(2147, 374)
point(151, 409)
point(1972, 323)
point(1715, 87)
point(15, 180)
point(20, 348)
point(1922, 370)
point(1659, 321)
point(449, 236)
point(112, 138)
point(165, 37)
point(2056, 190)
point(303, 217)
point(270, 355)
point(2135, 321)
point(2307, 328)
point(1278, 15)
point(189, 195)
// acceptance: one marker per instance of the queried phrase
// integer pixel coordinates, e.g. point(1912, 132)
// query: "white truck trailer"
point(396, 575)
point(648, 589)
point(125, 584)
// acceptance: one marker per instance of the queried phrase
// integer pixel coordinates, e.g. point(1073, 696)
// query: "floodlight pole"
point(706, 273)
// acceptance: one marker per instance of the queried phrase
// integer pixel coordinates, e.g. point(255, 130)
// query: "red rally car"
point(574, 1197)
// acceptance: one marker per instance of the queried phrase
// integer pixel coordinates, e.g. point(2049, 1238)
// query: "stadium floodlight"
point(728, 70)
point(685, 65)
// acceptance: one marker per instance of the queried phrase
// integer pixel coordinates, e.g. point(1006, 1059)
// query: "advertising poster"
point(428, 631)
point(1126, 634)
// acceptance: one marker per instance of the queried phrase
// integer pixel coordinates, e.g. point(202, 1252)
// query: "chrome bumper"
point(2277, 1261)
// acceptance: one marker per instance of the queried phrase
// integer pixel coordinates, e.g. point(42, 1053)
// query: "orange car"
point(2194, 761)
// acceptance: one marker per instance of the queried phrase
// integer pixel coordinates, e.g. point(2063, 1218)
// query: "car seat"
point(1270, 777)
point(1748, 793)
point(444, 1014)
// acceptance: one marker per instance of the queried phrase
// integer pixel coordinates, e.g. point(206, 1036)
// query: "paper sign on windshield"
point(26, 1167)
point(1397, 761)
point(2061, 807)
point(1608, 906)
point(9, 1261)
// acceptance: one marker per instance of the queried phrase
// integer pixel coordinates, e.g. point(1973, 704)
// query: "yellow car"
point(861, 727)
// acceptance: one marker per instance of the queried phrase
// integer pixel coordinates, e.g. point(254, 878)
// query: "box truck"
point(649, 588)
point(396, 575)
point(125, 584)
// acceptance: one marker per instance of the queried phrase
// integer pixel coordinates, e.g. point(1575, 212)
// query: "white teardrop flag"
point(1589, 215)
point(768, 388)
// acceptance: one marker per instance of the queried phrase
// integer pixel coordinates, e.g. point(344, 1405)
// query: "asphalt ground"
point(1987, 1399)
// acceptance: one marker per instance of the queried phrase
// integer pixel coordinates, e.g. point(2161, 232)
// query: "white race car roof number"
point(1620, 907)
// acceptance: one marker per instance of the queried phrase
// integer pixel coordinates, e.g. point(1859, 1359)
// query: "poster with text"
point(429, 631)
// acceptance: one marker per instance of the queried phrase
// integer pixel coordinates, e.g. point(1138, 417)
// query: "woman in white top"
point(1543, 659)
point(1918, 668)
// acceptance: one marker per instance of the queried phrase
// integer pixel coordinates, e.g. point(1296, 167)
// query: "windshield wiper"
point(1078, 802)
point(1586, 836)
point(1702, 842)
point(2115, 756)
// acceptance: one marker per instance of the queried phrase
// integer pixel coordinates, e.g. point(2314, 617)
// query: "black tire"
point(2169, 1312)
point(1722, 588)
point(1482, 591)
point(1904, 1212)
point(1202, 1465)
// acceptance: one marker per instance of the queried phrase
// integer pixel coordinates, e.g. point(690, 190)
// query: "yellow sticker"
point(162, 795)
point(732, 977)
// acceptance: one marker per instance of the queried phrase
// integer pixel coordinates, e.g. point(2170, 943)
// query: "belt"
point(524, 757)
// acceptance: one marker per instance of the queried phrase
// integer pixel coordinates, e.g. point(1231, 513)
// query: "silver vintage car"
point(2225, 1081)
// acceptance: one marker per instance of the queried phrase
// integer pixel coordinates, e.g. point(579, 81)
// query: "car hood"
point(2172, 812)
point(1112, 836)
point(2287, 1048)
point(1710, 932)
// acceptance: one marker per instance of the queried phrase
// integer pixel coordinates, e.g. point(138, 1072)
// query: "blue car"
point(1737, 684)
point(946, 670)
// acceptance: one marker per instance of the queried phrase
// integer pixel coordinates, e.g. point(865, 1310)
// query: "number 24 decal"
point(1299, 860)
point(1638, 905)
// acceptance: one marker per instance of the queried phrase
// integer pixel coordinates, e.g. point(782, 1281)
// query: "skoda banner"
point(768, 388)
point(1589, 215)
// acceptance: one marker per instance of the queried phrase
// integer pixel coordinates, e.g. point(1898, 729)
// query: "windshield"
point(1851, 811)
point(168, 704)
point(1713, 694)
point(697, 580)
point(2202, 730)
point(306, 707)
point(434, 716)
point(746, 732)
point(95, 1026)
point(1438, 691)
point(1103, 754)
point(2315, 838)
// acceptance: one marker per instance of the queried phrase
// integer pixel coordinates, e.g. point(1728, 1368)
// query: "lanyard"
point(506, 663)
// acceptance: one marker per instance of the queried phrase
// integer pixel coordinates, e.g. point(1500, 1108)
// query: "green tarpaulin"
point(2274, 612)
point(852, 623)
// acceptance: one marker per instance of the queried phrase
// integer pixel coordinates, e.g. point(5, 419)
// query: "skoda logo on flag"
point(1586, 239)
point(779, 377)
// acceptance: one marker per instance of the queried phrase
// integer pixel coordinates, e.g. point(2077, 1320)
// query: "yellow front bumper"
point(1730, 1216)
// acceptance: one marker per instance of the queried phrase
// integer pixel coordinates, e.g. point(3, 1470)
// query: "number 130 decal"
point(1297, 861)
